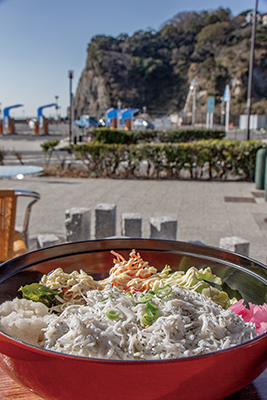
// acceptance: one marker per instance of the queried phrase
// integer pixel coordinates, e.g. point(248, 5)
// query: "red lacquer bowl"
point(208, 377)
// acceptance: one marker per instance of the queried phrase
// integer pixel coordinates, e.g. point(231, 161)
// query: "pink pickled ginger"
point(255, 314)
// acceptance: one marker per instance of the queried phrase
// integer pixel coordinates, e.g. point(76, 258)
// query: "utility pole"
point(71, 106)
point(119, 115)
point(193, 86)
point(251, 62)
point(56, 98)
point(222, 111)
point(227, 98)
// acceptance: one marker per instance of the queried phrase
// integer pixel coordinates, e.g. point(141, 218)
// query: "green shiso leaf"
point(40, 293)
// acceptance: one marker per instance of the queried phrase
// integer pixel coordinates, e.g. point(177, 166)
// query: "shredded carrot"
point(129, 275)
point(119, 257)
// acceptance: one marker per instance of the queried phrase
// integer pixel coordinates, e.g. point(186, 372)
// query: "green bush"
point(48, 148)
point(214, 33)
point(49, 145)
point(219, 159)
point(189, 135)
point(106, 135)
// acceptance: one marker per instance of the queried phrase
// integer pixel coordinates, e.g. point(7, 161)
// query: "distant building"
point(249, 17)
point(264, 20)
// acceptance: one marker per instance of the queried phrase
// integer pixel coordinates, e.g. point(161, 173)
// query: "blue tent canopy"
point(112, 113)
point(124, 114)
point(128, 113)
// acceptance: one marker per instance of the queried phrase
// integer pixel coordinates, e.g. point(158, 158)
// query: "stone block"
point(105, 220)
point(235, 244)
point(131, 225)
point(78, 224)
point(47, 240)
point(163, 228)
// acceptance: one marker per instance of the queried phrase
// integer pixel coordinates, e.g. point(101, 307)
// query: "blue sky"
point(41, 40)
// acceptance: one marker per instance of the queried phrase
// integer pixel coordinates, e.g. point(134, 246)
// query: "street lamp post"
point(1, 121)
point(119, 114)
point(193, 86)
point(56, 98)
point(251, 61)
point(222, 111)
point(71, 106)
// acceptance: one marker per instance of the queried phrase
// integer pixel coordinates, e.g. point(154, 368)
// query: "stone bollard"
point(78, 224)
point(47, 240)
point(260, 168)
point(235, 244)
point(131, 225)
point(105, 220)
point(163, 228)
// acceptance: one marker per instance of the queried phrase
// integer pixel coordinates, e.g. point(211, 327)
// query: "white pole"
point(207, 120)
point(119, 115)
point(211, 120)
point(251, 61)
point(194, 107)
point(227, 118)
point(72, 118)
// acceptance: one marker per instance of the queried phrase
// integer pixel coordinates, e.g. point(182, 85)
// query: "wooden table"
point(10, 390)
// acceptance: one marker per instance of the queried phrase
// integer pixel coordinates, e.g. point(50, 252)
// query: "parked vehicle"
point(139, 123)
point(102, 122)
point(87, 121)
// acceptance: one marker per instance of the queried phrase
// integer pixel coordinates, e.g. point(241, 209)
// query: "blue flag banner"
point(211, 104)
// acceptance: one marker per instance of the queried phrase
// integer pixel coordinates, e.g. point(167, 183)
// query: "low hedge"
point(106, 135)
point(212, 159)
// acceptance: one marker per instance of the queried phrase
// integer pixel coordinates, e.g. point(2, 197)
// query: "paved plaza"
point(206, 211)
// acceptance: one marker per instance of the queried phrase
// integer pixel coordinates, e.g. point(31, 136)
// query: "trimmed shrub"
point(106, 135)
point(219, 159)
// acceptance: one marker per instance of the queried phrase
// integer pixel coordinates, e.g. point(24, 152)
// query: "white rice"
point(24, 319)
point(189, 323)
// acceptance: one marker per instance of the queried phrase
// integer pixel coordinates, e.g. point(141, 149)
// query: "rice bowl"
point(57, 376)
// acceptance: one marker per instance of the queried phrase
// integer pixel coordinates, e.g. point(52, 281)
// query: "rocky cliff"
point(155, 68)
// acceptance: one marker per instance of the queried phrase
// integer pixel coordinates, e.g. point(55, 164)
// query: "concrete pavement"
point(205, 210)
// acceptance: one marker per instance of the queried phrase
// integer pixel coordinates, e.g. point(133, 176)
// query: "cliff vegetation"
point(154, 68)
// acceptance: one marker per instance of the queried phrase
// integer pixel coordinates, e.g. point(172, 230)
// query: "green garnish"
point(129, 294)
point(147, 296)
point(101, 301)
point(40, 293)
point(152, 313)
point(112, 314)
point(163, 288)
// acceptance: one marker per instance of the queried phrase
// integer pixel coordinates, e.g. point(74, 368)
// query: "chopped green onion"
point(162, 288)
point(152, 309)
point(147, 297)
point(152, 313)
point(129, 294)
point(105, 298)
point(112, 314)
point(146, 319)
